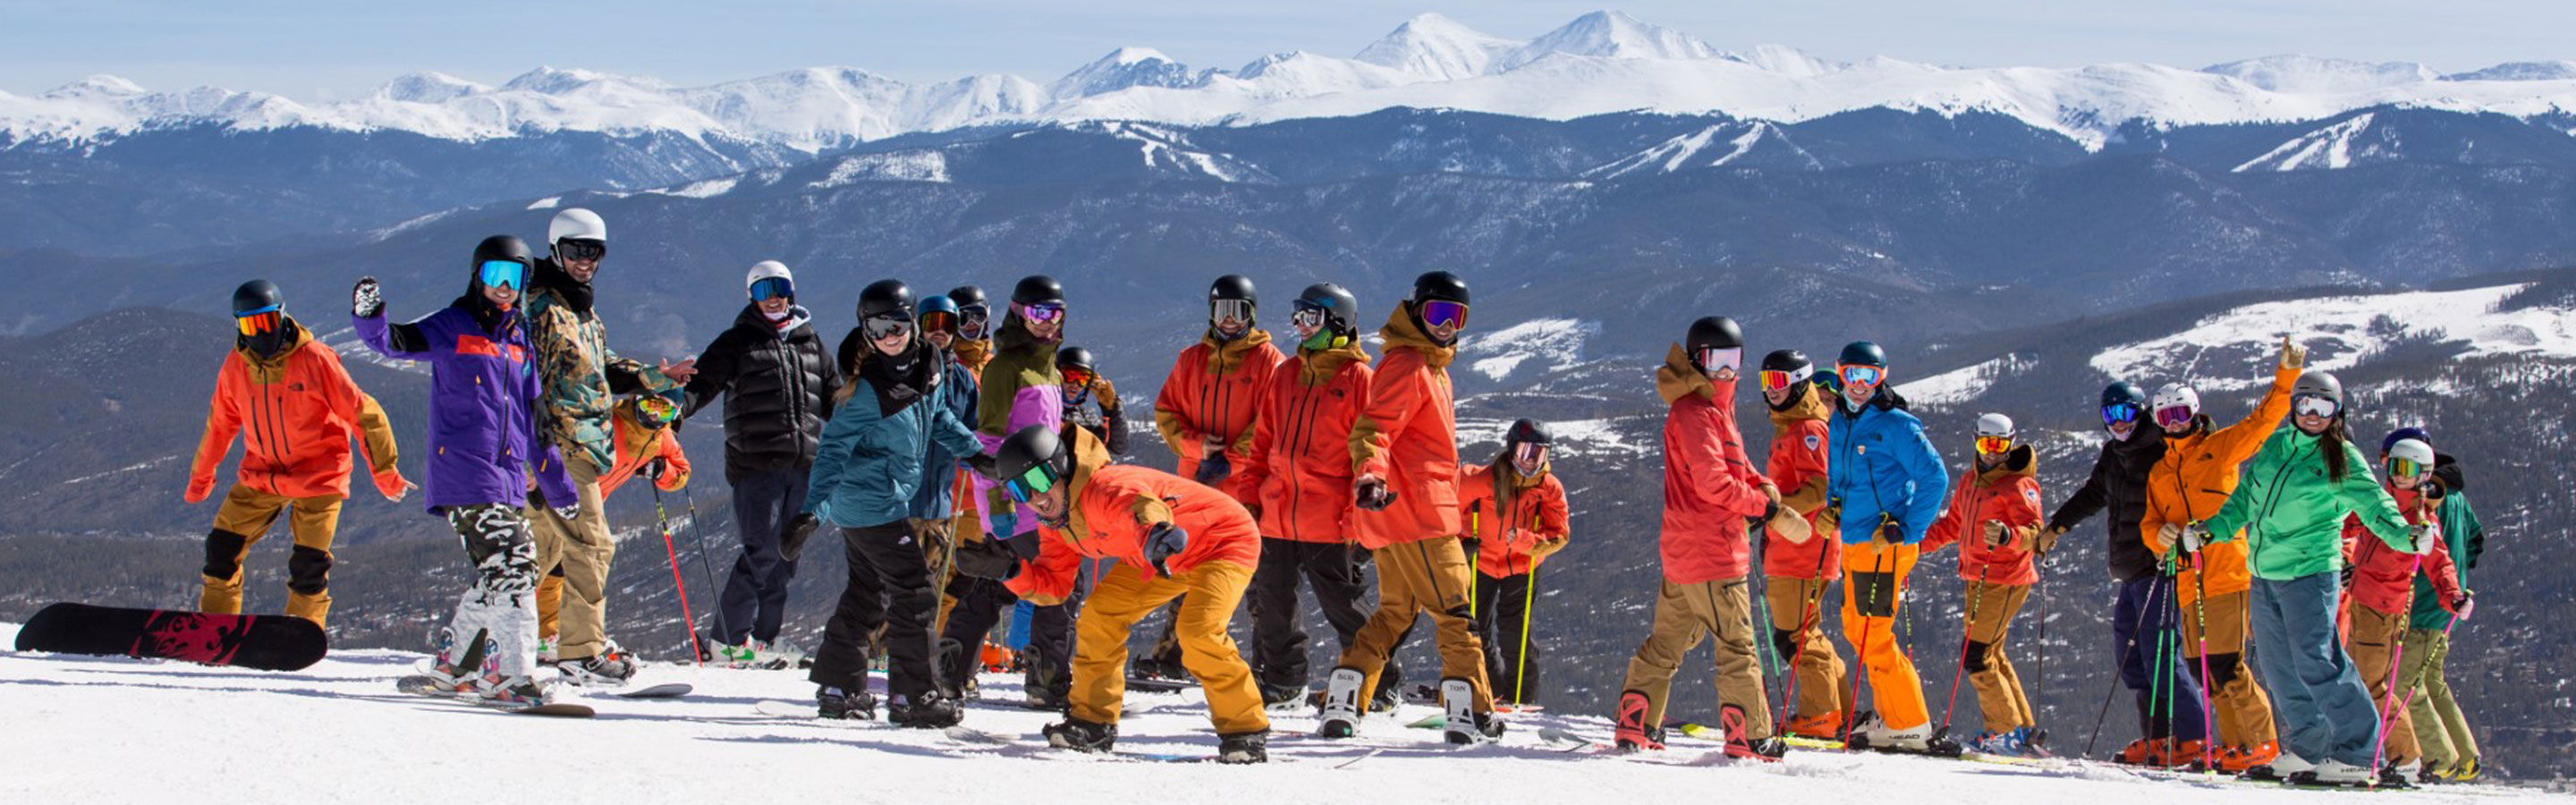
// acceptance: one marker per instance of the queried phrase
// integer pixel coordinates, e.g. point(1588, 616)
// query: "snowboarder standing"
point(1404, 459)
point(1994, 516)
point(301, 409)
point(581, 377)
point(1205, 410)
point(1516, 513)
point(865, 475)
point(2383, 592)
point(1796, 574)
point(1886, 485)
point(483, 445)
point(1710, 491)
point(2290, 510)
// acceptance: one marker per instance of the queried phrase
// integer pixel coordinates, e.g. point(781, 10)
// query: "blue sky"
point(321, 50)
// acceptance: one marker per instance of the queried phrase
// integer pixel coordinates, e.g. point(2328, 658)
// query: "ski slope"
point(114, 730)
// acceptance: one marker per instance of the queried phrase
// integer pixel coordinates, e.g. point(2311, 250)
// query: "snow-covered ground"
point(113, 730)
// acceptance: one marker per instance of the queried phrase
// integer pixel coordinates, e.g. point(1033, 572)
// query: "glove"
point(1770, 510)
point(2346, 577)
point(1361, 556)
point(2194, 537)
point(982, 464)
point(1831, 522)
point(1547, 547)
point(366, 300)
point(791, 540)
point(1372, 494)
point(1026, 548)
point(2047, 540)
point(2293, 356)
point(652, 470)
point(1214, 468)
point(568, 513)
point(1162, 543)
point(987, 558)
point(2461, 605)
point(1889, 532)
point(2422, 535)
point(1997, 534)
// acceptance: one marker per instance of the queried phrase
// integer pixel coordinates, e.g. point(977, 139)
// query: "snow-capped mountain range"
point(1601, 62)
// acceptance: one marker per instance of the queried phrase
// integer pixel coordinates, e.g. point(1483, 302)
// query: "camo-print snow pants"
point(496, 621)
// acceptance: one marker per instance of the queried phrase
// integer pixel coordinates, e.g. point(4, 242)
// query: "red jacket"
point(2383, 578)
point(296, 413)
point(1115, 506)
point(1710, 488)
point(1512, 539)
point(2008, 494)
point(1300, 469)
point(1799, 444)
point(1214, 388)
point(1407, 433)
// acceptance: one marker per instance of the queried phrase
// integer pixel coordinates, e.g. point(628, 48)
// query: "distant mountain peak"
point(1611, 35)
point(1129, 66)
point(97, 86)
point(429, 87)
point(2296, 72)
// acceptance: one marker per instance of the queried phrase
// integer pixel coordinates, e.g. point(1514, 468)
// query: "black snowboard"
point(265, 642)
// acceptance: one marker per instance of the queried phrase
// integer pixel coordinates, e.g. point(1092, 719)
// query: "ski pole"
point(2396, 656)
point(1967, 640)
point(1811, 615)
point(705, 568)
point(2200, 634)
point(1850, 703)
point(2135, 625)
point(1520, 673)
point(688, 620)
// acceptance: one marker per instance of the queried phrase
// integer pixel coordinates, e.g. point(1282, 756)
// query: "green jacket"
point(2293, 514)
point(2461, 529)
point(581, 377)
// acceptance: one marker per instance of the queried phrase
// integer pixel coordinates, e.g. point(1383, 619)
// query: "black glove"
point(366, 300)
point(1770, 510)
point(2347, 577)
point(791, 540)
point(1889, 531)
point(982, 464)
point(1374, 495)
point(987, 558)
point(652, 470)
point(1026, 548)
point(1163, 542)
point(1214, 468)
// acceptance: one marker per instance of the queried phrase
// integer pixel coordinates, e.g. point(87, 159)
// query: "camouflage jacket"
point(581, 377)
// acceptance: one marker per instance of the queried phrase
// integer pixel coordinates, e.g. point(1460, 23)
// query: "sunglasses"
point(2313, 405)
point(1991, 445)
point(1776, 380)
point(1444, 313)
point(773, 288)
point(2174, 417)
point(510, 274)
point(2399, 467)
point(259, 321)
point(1036, 481)
point(1230, 310)
point(657, 410)
point(2117, 413)
point(583, 249)
point(1861, 374)
point(1077, 378)
point(939, 321)
point(1714, 358)
point(884, 327)
point(1042, 312)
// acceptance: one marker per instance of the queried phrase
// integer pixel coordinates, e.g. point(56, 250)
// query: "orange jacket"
point(2009, 494)
point(1515, 535)
point(2383, 578)
point(1799, 444)
point(1407, 433)
point(1214, 388)
point(1710, 487)
point(1300, 469)
point(2196, 476)
point(1115, 506)
point(296, 413)
point(637, 446)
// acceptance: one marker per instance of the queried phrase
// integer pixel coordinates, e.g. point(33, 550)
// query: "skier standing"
point(1020, 387)
point(484, 443)
point(1795, 574)
point(301, 409)
point(2450, 750)
point(1206, 407)
point(646, 448)
point(1885, 488)
point(1090, 400)
point(2383, 592)
point(1994, 516)
point(1516, 513)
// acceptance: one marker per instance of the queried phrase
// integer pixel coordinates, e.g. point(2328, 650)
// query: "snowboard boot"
point(1632, 732)
point(1080, 736)
point(2399, 775)
point(603, 670)
point(845, 705)
point(2282, 767)
point(1465, 725)
point(953, 670)
point(1045, 690)
point(1243, 747)
point(1387, 699)
point(2332, 772)
point(546, 654)
point(931, 711)
point(1341, 711)
point(517, 691)
point(1282, 697)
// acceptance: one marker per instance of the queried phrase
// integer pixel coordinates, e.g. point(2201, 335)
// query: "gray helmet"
point(2319, 383)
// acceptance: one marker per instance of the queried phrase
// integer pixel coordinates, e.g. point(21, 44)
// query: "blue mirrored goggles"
point(1860, 374)
point(773, 288)
point(2117, 413)
point(500, 273)
point(1027, 485)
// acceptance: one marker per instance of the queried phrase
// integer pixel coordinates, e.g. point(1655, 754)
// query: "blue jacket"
point(1882, 466)
point(937, 499)
point(871, 462)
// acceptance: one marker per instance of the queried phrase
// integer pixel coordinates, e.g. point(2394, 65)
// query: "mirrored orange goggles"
point(257, 322)
point(1994, 444)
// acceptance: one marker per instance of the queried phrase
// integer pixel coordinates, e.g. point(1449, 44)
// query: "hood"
point(1810, 404)
point(972, 354)
point(548, 276)
point(1089, 455)
point(2019, 462)
point(898, 381)
point(1321, 364)
point(1224, 356)
point(752, 319)
point(1401, 333)
point(1015, 338)
point(1677, 378)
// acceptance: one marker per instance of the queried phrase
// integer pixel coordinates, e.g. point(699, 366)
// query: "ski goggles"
point(1776, 380)
point(1529, 455)
point(1993, 445)
point(2402, 467)
point(258, 322)
point(1306, 317)
point(1444, 313)
point(1230, 310)
point(2117, 413)
point(583, 249)
point(1715, 358)
point(2314, 405)
point(511, 274)
point(1027, 485)
point(940, 321)
point(1861, 374)
point(655, 409)
point(880, 328)
point(2175, 417)
point(1076, 377)
point(972, 319)
point(773, 288)
point(1043, 312)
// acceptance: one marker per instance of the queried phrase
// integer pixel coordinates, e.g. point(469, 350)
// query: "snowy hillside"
point(1599, 63)
point(109, 730)
point(2225, 351)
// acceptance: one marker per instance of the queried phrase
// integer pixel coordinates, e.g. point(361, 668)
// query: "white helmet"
point(2414, 450)
point(576, 224)
point(2175, 395)
point(766, 269)
point(1995, 425)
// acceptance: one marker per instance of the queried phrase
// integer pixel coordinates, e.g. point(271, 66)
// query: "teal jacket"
point(873, 461)
point(2467, 538)
point(2293, 514)
point(1882, 468)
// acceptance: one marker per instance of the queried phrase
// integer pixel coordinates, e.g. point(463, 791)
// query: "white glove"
point(2194, 536)
point(2423, 536)
point(366, 299)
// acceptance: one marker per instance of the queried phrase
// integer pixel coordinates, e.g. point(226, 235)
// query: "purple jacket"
point(481, 423)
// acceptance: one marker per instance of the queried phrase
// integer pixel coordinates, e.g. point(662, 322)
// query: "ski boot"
point(1080, 736)
point(2190, 756)
point(2149, 752)
point(2335, 773)
point(1341, 711)
point(1823, 726)
point(1633, 733)
point(2237, 759)
point(1243, 747)
point(847, 705)
point(1875, 734)
point(2283, 767)
point(2467, 770)
point(931, 711)
point(1466, 725)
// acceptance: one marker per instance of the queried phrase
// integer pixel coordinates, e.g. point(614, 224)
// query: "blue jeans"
point(2319, 705)
point(2145, 627)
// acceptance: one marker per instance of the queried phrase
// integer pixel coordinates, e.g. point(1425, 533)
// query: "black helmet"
point(1714, 332)
point(965, 295)
point(1863, 353)
point(257, 295)
point(1074, 358)
point(1526, 431)
point(2124, 393)
point(502, 247)
point(1233, 286)
point(885, 298)
point(1440, 285)
point(1341, 309)
point(1032, 447)
point(1786, 360)
point(1037, 288)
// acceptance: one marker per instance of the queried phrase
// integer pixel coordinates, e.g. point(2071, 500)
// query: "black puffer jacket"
point(777, 392)
point(2119, 483)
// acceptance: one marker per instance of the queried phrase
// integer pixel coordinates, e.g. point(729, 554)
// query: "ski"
point(667, 690)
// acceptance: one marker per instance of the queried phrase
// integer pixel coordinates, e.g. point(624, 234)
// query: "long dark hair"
point(2331, 442)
